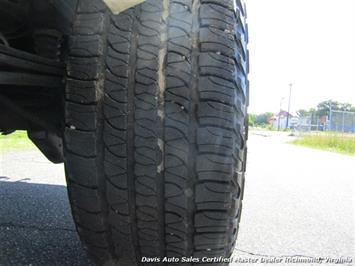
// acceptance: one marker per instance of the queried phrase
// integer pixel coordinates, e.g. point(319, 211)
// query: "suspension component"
point(47, 43)
point(13, 17)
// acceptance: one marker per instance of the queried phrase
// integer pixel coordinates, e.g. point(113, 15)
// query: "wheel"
point(155, 138)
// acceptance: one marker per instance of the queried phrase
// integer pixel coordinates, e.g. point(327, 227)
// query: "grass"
point(14, 142)
point(334, 142)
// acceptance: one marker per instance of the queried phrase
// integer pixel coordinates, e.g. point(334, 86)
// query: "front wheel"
point(155, 139)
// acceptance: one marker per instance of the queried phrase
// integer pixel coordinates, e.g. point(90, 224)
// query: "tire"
point(155, 138)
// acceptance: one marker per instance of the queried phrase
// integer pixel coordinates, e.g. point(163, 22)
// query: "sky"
point(309, 43)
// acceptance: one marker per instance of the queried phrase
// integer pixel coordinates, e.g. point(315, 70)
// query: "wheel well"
point(33, 44)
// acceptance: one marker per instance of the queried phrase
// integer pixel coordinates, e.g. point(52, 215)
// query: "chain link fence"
point(338, 121)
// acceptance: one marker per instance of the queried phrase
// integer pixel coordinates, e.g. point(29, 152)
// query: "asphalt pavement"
point(298, 204)
point(298, 207)
point(36, 226)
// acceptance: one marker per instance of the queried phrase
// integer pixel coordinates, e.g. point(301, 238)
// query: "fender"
point(118, 6)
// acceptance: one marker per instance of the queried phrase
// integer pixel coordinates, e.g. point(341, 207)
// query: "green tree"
point(263, 119)
point(313, 114)
point(345, 107)
point(302, 113)
point(252, 120)
point(323, 108)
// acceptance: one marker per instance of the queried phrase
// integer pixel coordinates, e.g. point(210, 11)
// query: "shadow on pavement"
point(36, 226)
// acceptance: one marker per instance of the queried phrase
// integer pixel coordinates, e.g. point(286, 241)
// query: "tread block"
point(217, 16)
point(217, 64)
point(217, 41)
point(85, 92)
point(117, 63)
point(91, 6)
point(86, 46)
point(213, 195)
point(117, 199)
point(214, 163)
point(114, 165)
point(82, 117)
point(214, 176)
point(210, 241)
point(92, 221)
point(81, 143)
point(85, 198)
point(93, 238)
point(84, 68)
point(211, 221)
point(218, 89)
point(89, 24)
point(224, 3)
point(82, 170)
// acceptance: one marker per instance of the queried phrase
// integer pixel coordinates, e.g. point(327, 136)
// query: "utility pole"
point(289, 106)
point(330, 116)
point(279, 116)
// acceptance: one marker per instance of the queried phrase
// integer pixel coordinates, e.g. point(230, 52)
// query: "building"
point(279, 120)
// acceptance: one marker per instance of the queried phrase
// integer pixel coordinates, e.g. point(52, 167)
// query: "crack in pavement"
point(280, 256)
point(33, 227)
point(286, 256)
